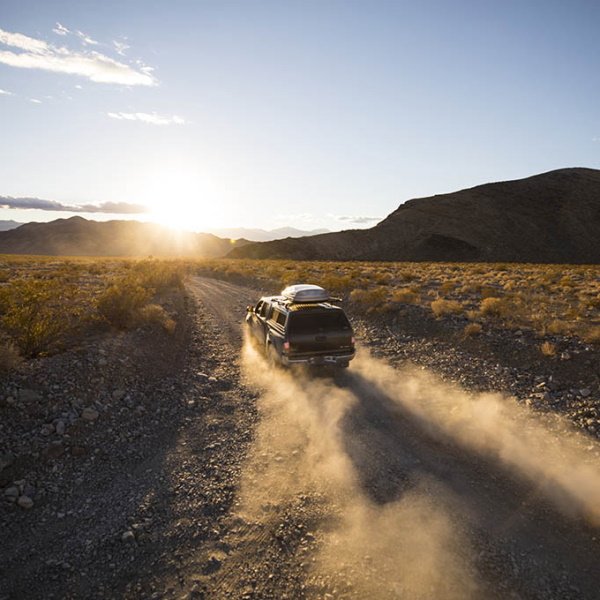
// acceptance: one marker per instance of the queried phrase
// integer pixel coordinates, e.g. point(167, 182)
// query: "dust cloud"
point(549, 452)
point(409, 546)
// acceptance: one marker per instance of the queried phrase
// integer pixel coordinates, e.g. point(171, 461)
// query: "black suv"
point(302, 326)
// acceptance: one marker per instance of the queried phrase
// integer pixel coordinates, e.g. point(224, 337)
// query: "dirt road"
point(379, 483)
point(386, 484)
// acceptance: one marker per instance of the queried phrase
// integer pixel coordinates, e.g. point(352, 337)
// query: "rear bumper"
point(340, 360)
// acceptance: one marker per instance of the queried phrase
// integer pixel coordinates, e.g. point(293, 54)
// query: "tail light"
point(353, 340)
point(286, 346)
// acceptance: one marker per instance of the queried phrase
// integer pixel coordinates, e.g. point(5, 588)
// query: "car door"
point(276, 329)
point(259, 321)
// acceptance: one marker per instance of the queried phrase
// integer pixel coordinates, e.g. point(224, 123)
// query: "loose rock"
point(25, 502)
point(89, 414)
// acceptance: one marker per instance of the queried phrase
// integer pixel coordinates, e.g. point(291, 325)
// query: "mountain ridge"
point(549, 217)
point(77, 236)
point(263, 235)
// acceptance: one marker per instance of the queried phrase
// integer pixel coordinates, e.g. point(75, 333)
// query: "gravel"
point(122, 462)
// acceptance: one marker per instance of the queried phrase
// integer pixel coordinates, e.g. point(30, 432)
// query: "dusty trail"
point(389, 484)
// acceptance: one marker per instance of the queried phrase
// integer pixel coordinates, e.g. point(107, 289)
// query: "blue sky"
point(272, 113)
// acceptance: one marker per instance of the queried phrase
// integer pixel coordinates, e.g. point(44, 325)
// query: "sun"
point(181, 199)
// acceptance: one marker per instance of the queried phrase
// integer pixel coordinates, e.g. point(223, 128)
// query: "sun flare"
point(181, 199)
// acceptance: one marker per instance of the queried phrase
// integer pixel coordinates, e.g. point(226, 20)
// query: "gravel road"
point(204, 474)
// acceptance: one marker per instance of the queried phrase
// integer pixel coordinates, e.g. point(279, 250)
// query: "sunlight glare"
point(181, 199)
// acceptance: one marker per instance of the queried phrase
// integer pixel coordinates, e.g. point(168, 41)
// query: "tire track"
point(404, 491)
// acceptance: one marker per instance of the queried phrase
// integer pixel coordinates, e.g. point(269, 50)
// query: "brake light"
point(353, 340)
point(286, 346)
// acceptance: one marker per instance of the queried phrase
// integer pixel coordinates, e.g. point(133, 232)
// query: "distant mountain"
point(552, 217)
point(263, 235)
point(6, 225)
point(79, 237)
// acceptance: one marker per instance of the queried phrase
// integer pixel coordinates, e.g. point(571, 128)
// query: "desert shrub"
point(567, 282)
point(591, 335)
point(38, 313)
point(152, 313)
point(120, 304)
point(473, 329)
point(381, 278)
point(9, 356)
point(469, 287)
point(593, 302)
point(493, 307)
point(489, 292)
point(290, 277)
point(448, 286)
point(406, 276)
point(405, 296)
point(97, 269)
point(557, 327)
point(443, 307)
point(169, 325)
point(548, 349)
point(336, 283)
point(159, 275)
point(365, 300)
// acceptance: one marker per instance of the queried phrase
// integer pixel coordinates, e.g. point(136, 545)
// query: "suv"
point(302, 326)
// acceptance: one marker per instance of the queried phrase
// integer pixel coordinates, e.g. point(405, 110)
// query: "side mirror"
point(250, 309)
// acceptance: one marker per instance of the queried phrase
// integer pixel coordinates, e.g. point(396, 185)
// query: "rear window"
point(278, 317)
point(307, 322)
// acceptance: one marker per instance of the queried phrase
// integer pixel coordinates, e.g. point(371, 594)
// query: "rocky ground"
point(148, 465)
point(499, 360)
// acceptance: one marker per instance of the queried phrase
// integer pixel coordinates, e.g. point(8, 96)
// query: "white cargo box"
point(305, 293)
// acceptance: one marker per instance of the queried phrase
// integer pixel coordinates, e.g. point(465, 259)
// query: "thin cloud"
point(60, 29)
point(5, 93)
point(360, 220)
point(152, 118)
point(37, 54)
point(35, 100)
point(124, 208)
point(596, 139)
point(86, 39)
point(120, 47)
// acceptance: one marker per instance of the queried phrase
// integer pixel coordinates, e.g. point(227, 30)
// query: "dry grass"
point(370, 300)
point(558, 327)
point(9, 357)
point(549, 349)
point(122, 303)
point(405, 296)
point(153, 313)
point(473, 329)
point(45, 300)
point(443, 307)
point(493, 307)
point(38, 313)
point(546, 299)
point(591, 334)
